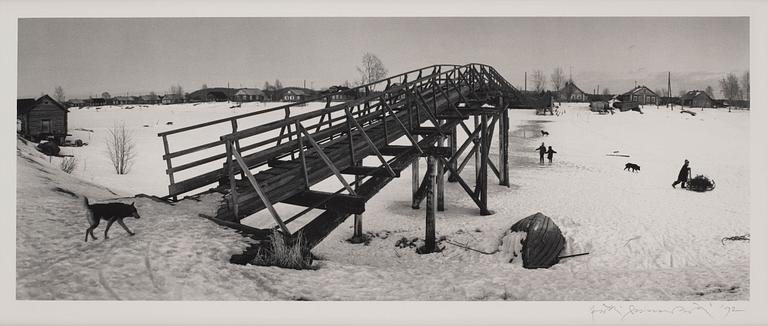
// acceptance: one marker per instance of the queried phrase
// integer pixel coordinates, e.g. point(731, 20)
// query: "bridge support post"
point(415, 182)
point(482, 182)
point(440, 179)
point(504, 148)
point(430, 244)
point(452, 138)
point(478, 149)
point(357, 236)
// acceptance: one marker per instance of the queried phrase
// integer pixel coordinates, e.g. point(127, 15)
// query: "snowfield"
point(646, 240)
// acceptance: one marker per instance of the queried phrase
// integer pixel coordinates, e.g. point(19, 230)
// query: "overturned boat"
point(543, 243)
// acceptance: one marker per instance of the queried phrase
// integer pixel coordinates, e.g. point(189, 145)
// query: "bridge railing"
point(367, 108)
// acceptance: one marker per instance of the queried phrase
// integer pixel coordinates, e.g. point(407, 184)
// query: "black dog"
point(632, 167)
point(544, 133)
point(110, 212)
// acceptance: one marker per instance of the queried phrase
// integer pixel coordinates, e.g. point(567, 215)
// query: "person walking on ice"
point(542, 150)
point(549, 154)
point(683, 176)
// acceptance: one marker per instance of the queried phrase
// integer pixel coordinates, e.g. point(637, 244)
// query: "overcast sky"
point(138, 55)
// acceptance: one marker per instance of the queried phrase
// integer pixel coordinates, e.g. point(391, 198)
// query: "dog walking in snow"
point(109, 212)
point(632, 167)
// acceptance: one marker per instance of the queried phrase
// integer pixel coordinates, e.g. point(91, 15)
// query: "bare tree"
point(372, 69)
point(539, 81)
point(58, 94)
point(278, 85)
point(606, 91)
point(269, 91)
point(120, 148)
point(710, 91)
point(557, 78)
point(729, 86)
point(745, 85)
point(178, 91)
point(205, 86)
point(106, 95)
point(660, 92)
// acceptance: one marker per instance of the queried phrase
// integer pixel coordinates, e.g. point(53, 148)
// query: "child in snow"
point(683, 175)
point(542, 150)
point(549, 154)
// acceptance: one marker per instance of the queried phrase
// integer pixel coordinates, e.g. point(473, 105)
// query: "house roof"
point(249, 92)
point(638, 88)
point(692, 94)
point(297, 91)
point(570, 83)
point(24, 105)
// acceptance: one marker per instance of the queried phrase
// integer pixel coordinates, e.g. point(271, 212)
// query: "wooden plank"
point(370, 171)
point(328, 201)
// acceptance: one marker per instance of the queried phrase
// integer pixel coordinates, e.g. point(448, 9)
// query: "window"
point(45, 126)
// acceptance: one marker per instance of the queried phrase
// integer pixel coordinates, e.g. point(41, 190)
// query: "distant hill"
point(203, 95)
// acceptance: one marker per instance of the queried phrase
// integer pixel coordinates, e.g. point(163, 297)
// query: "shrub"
point(701, 183)
point(120, 148)
point(284, 252)
point(68, 164)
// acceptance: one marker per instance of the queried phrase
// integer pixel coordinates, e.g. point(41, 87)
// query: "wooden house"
point(295, 94)
point(75, 103)
point(172, 99)
point(42, 118)
point(640, 94)
point(697, 99)
point(98, 101)
point(571, 93)
point(149, 99)
point(216, 96)
point(123, 100)
point(249, 95)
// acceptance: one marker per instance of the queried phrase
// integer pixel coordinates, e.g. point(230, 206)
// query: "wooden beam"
point(328, 201)
point(370, 171)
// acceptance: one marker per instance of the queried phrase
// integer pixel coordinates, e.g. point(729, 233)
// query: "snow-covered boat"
point(543, 243)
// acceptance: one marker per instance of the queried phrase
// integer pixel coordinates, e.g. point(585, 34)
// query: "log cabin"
point(40, 119)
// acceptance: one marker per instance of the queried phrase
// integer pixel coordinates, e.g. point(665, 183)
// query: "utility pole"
point(669, 87)
point(525, 83)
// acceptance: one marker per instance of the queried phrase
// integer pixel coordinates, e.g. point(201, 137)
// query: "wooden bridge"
point(428, 107)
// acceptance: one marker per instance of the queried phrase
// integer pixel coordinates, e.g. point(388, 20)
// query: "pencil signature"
point(624, 311)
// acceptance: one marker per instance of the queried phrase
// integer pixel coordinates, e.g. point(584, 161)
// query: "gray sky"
point(138, 55)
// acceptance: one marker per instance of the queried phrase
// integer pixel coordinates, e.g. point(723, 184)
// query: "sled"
point(543, 243)
point(700, 183)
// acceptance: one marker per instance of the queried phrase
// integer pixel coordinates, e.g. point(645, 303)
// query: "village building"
point(173, 99)
point(249, 95)
point(75, 103)
point(150, 99)
point(122, 100)
point(640, 94)
point(698, 99)
point(97, 101)
point(571, 93)
point(295, 94)
point(216, 96)
point(42, 118)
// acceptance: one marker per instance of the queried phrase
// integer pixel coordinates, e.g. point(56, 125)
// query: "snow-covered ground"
point(646, 240)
